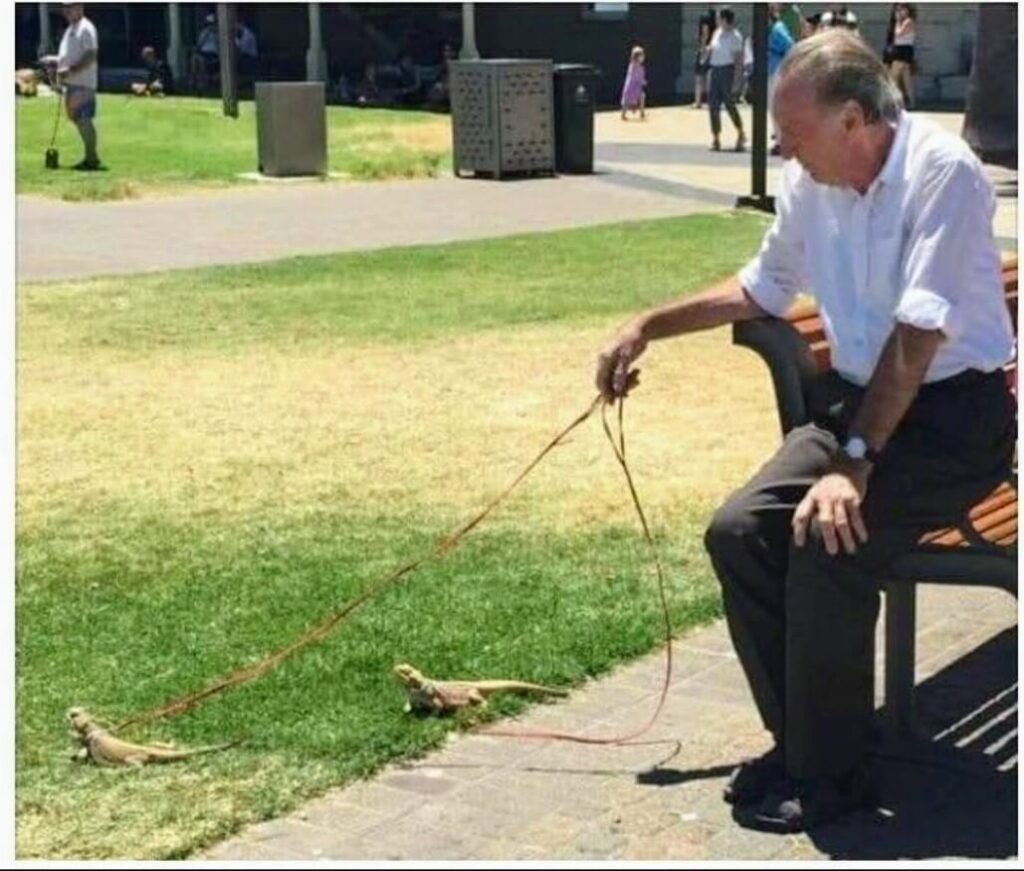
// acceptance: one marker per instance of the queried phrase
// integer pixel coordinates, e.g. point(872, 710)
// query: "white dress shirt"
point(917, 248)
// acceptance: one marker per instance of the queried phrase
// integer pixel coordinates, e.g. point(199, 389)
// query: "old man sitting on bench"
point(887, 220)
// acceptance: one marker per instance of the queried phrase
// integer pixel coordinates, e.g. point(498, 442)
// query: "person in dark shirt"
point(705, 27)
point(159, 79)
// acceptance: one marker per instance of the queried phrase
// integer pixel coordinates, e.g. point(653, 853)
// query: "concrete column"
point(316, 57)
point(469, 49)
point(44, 31)
point(175, 49)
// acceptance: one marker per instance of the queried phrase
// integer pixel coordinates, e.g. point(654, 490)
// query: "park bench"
point(979, 551)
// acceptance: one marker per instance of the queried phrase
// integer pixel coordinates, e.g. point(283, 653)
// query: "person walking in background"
point(705, 28)
point(901, 66)
point(725, 78)
point(78, 72)
point(779, 43)
point(633, 96)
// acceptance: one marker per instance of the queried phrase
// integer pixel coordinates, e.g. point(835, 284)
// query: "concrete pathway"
point(657, 168)
point(496, 798)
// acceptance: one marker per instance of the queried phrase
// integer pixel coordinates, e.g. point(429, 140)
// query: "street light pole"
point(759, 198)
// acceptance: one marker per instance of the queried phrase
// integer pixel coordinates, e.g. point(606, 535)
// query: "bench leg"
point(900, 614)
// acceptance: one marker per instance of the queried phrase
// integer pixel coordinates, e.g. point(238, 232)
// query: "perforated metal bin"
point(502, 116)
point(291, 128)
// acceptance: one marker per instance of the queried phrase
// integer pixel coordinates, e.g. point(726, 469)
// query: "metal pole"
point(228, 66)
point(44, 30)
point(469, 49)
point(759, 198)
point(316, 57)
point(174, 45)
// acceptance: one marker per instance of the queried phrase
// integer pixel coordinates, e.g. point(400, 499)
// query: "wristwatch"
point(858, 449)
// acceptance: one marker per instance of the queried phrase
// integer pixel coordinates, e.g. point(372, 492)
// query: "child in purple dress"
point(633, 96)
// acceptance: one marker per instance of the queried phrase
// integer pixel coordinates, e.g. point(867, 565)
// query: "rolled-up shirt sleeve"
point(778, 271)
point(954, 205)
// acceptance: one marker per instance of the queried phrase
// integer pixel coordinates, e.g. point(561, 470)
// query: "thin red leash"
point(620, 455)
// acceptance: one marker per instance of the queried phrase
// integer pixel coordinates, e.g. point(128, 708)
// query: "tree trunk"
point(990, 124)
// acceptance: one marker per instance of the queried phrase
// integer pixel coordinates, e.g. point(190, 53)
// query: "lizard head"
point(80, 719)
point(408, 675)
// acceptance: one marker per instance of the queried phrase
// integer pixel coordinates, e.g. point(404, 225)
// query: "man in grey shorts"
point(77, 70)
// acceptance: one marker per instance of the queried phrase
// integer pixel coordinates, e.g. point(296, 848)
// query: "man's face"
point(817, 136)
point(72, 12)
point(724, 23)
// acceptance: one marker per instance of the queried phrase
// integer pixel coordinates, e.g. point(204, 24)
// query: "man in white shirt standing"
point(78, 71)
point(887, 220)
point(725, 77)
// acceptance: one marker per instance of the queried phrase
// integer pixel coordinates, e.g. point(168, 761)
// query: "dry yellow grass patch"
point(431, 135)
point(442, 425)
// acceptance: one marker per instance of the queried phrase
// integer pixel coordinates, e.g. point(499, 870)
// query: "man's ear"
point(853, 116)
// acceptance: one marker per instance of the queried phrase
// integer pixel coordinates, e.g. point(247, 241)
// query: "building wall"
point(565, 33)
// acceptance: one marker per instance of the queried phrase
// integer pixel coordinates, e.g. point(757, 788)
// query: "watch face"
point(856, 447)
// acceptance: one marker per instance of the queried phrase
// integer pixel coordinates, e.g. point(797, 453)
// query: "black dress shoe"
point(88, 166)
point(752, 780)
point(800, 805)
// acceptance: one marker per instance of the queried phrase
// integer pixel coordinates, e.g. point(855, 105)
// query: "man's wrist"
point(857, 449)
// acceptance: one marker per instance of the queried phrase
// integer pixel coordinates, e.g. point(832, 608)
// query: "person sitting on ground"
point(439, 95)
point(26, 82)
point(159, 80)
point(406, 85)
point(887, 219)
point(368, 92)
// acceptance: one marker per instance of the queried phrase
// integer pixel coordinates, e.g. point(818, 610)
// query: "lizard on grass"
point(444, 696)
point(103, 748)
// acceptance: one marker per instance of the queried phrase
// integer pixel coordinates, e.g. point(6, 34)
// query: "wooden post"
point(228, 65)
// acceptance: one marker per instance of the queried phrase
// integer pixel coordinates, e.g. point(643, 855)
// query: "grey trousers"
point(803, 622)
point(720, 93)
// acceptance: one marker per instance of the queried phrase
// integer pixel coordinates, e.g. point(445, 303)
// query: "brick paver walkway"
point(498, 798)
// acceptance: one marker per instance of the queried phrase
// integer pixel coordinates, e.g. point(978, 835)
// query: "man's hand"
point(835, 499)
point(614, 378)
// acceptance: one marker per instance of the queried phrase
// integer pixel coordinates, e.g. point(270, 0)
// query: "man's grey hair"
point(840, 66)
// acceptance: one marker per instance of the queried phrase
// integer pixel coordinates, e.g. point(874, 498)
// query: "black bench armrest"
point(794, 373)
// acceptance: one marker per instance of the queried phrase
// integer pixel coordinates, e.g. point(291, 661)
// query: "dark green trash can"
point(574, 117)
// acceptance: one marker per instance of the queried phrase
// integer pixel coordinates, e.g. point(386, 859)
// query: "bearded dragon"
point(103, 748)
point(444, 696)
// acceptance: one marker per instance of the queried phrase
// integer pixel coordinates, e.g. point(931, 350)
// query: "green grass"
point(399, 294)
point(134, 595)
point(177, 143)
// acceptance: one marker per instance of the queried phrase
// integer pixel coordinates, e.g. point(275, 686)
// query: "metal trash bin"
point(291, 128)
point(502, 116)
point(574, 117)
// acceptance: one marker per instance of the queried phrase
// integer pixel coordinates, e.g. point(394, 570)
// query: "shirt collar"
point(890, 172)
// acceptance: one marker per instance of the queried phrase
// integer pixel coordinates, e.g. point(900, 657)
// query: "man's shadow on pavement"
point(960, 799)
